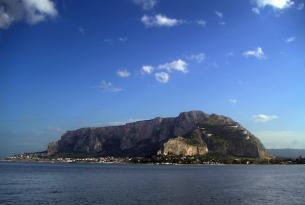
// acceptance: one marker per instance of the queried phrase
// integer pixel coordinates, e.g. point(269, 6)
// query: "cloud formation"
point(146, 4)
point(264, 118)
point(176, 65)
point(123, 39)
point(162, 71)
point(256, 10)
point(123, 73)
point(160, 20)
point(257, 53)
point(219, 14)
point(202, 23)
point(109, 87)
point(30, 11)
point(291, 39)
point(200, 57)
point(276, 4)
point(147, 69)
point(162, 77)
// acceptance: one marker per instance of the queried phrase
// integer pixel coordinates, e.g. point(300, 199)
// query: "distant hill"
point(287, 153)
point(190, 133)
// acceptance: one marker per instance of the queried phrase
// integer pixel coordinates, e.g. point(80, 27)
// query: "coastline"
point(137, 161)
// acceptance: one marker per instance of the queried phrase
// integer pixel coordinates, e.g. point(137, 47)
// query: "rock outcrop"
point(191, 133)
point(181, 146)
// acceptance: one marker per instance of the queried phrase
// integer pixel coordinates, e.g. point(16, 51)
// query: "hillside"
point(190, 133)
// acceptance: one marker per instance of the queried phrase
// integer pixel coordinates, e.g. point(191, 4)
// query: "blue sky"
point(68, 64)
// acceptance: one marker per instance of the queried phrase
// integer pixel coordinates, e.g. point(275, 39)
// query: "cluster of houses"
point(33, 157)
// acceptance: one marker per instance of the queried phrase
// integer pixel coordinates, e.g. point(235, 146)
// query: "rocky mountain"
point(191, 133)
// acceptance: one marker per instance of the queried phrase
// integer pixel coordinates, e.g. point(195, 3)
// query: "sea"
point(124, 184)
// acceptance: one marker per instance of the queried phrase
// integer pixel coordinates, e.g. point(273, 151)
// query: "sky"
point(67, 64)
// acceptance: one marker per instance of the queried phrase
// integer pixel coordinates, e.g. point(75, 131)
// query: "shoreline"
point(211, 159)
point(138, 163)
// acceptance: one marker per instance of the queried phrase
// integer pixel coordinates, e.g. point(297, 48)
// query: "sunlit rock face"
point(190, 133)
point(181, 147)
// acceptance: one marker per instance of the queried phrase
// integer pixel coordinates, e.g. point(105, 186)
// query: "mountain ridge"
point(214, 133)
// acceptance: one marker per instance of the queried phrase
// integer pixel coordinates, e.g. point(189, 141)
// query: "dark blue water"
point(73, 184)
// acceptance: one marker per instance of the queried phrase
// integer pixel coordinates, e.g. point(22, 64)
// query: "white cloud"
point(264, 118)
point(147, 69)
point(202, 23)
point(197, 57)
point(30, 11)
point(146, 4)
point(257, 53)
point(123, 39)
point(219, 14)
point(109, 87)
point(177, 65)
point(300, 6)
point(38, 10)
point(162, 77)
point(291, 39)
point(276, 4)
point(160, 21)
point(256, 10)
point(233, 101)
point(123, 73)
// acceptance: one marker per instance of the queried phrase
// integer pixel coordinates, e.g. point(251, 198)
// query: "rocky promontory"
point(193, 133)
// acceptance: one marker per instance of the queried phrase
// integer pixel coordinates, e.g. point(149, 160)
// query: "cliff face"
point(191, 133)
point(181, 146)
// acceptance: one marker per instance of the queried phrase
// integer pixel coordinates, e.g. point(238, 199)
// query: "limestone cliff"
point(190, 133)
point(181, 146)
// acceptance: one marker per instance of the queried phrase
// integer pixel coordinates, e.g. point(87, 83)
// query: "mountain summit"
point(191, 133)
